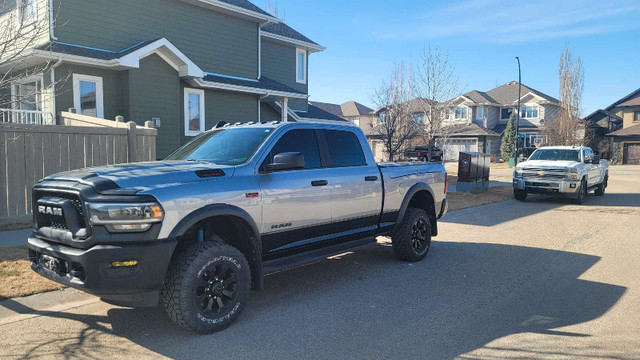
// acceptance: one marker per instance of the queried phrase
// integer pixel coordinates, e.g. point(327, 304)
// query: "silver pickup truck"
point(202, 227)
point(561, 170)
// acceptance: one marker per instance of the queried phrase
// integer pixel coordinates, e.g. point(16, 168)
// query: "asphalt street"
point(543, 279)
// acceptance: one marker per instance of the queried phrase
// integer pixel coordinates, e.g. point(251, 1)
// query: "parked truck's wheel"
point(207, 287)
point(520, 195)
point(582, 193)
point(600, 189)
point(412, 241)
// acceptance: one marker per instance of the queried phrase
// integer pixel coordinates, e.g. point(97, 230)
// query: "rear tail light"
point(419, 154)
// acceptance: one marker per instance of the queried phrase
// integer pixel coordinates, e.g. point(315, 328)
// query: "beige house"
point(625, 146)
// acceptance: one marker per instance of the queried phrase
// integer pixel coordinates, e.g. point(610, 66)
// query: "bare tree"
point(395, 124)
point(567, 128)
point(435, 89)
point(23, 28)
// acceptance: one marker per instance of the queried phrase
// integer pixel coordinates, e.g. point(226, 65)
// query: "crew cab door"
point(593, 170)
point(356, 184)
point(294, 202)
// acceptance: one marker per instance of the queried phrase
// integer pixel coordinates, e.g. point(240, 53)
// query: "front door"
point(296, 206)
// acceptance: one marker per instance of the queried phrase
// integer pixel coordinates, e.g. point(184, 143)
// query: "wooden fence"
point(29, 153)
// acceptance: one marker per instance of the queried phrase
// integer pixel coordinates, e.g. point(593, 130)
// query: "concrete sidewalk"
point(14, 237)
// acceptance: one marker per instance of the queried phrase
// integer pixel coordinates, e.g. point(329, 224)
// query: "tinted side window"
point(344, 148)
point(300, 140)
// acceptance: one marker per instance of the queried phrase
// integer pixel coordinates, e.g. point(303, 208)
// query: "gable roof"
point(347, 109)
point(285, 30)
point(507, 94)
point(247, 5)
point(317, 113)
point(633, 130)
point(632, 99)
point(472, 129)
point(263, 84)
point(480, 97)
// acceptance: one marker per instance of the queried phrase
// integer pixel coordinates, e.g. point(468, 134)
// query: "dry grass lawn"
point(462, 200)
point(17, 278)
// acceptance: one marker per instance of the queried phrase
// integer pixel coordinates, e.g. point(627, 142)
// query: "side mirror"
point(286, 161)
point(596, 160)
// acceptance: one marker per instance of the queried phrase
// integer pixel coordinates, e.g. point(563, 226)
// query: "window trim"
point(504, 108)
point(466, 113)
point(77, 78)
point(304, 64)
point(636, 116)
point(530, 105)
point(484, 108)
point(201, 94)
point(19, 5)
point(38, 79)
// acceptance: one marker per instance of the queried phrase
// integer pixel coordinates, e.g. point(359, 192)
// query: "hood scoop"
point(210, 173)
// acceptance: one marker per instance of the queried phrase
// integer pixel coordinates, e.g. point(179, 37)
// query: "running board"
point(280, 264)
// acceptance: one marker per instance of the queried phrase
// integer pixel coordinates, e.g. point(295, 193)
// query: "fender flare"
point(255, 242)
point(421, 186)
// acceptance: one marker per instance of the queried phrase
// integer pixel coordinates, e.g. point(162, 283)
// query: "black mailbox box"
point(473, 172)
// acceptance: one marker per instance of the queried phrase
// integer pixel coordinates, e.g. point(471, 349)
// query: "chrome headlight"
point(517, 173)
point(572, 174)
point(124, 217)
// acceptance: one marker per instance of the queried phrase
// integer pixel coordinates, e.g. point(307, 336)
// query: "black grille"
point(55, 221)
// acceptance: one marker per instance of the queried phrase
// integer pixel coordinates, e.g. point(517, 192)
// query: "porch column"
point(285, 109)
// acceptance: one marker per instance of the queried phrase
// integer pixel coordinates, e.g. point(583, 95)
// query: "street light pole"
point(518, 113)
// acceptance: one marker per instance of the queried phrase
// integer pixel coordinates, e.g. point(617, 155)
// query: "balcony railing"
point(26, 117)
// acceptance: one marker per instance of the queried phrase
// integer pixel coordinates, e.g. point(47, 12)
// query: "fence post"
point(132, 141)
point(72, 110)
point(149, 124)
point(120, 118)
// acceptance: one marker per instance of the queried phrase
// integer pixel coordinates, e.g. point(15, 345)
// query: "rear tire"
point(412, 241)
point(601, 187)
point(520, 195)
point(207, 287)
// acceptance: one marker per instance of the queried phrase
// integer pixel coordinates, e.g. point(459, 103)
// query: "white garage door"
point(453, 147)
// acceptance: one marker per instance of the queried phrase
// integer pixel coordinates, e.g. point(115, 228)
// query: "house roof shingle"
point(347, 109)
point(507, 94)
point(632, 99)
point(480, 97)
point(94, 53)
point(247, 5)
point(263, 83)
point(472, 129)
point(314, 112)
point(630, 131)
point(285, 30)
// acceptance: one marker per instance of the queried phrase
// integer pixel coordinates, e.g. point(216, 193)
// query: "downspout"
point(53, 87)
point(51, 17)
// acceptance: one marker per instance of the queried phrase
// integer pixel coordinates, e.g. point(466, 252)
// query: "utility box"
point(473, 172)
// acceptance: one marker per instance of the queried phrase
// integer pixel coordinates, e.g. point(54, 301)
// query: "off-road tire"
point(601, 187)
point(188, 270)
point(404, 240)
point(581, 193)
point(520, 195)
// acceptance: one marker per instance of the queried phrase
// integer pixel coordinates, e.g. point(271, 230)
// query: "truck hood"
point(145, 175)
point(552, 164)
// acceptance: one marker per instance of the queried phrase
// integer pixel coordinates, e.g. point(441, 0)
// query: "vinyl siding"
point(216, 42)
point(111, 84)
point(279, 64)
point(33, 34)
point(154, 91)
point(267, 113)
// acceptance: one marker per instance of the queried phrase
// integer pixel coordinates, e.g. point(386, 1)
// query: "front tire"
point(413, 240)
point(207, 287)
point(582, 193)
point(601, 187)
point(520, 195)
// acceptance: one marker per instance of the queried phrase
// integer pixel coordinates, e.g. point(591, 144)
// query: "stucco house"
point(184, 64)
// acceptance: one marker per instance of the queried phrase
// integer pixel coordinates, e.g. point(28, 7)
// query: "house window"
point(636, 116)
point(193, 111)
point(480, 113)
point(461, 113)
point(301, 66)
point(27, 94)
point(87, 95)
point(419, 118)
point(529, 112)
point(505, 113)
point(356, 121)
point(382, 116)
point(27, 11)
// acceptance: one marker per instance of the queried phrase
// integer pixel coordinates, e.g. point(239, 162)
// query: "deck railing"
point(26, 117)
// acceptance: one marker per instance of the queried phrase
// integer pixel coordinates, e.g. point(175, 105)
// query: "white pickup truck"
point(561, 170)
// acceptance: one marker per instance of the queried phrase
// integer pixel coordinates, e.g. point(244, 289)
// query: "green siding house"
point(184, 64)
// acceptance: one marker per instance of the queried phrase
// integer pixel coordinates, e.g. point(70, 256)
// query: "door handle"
point(370, 178)
point(319, 182)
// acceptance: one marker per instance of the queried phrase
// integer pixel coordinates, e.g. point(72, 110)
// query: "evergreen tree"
point(508, 146)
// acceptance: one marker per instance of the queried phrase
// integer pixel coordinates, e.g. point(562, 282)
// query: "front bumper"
point(91, 269)
point(546, 186)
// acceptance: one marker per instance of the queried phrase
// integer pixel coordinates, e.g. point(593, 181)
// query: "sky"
point(364, 40)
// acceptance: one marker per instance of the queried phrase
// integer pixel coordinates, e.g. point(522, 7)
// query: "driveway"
point(542, 279)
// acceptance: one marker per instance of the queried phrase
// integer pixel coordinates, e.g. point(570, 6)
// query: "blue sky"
point(365, 38)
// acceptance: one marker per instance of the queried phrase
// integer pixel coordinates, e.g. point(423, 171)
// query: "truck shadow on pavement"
point(366, 305)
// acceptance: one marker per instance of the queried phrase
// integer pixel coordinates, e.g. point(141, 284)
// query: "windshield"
point(556, 154)
point(224, 147)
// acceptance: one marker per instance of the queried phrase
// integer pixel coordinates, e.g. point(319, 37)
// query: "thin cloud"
point(504, 21)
